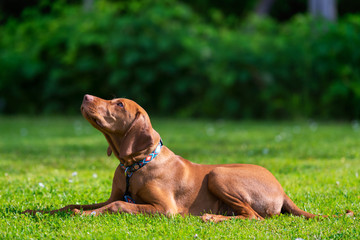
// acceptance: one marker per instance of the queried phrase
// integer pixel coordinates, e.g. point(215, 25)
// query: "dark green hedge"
point(165, 57)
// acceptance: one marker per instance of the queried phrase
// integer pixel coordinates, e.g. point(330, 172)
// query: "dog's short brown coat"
point(170, 184)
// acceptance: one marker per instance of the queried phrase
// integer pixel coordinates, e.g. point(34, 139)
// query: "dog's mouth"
point(93, 120)
point(98, 122)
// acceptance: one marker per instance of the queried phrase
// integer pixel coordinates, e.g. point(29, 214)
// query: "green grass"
point(318, 164)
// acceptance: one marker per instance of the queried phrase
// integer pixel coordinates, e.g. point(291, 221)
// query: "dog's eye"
point(120, 104)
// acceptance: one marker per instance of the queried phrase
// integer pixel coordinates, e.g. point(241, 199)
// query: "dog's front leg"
point(73, 208)
point(116, 194)
point(125, 207)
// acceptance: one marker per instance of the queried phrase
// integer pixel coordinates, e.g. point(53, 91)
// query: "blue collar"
point(136, 166)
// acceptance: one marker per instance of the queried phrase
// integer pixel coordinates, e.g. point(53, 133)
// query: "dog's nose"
point(88, 98)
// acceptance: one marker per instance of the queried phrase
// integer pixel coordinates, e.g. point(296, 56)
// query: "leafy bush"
point(162, 55)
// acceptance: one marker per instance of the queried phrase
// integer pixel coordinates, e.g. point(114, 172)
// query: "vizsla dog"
point(151, 179)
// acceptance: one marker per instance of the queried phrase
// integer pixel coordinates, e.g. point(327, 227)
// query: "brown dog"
point(152, 179)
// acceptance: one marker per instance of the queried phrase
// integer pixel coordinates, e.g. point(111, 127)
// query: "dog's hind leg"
point(219, 187)
point(243, 211)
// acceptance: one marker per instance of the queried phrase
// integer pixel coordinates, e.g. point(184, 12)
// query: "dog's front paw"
point(28, 211)
point(31, 212)
point(207, 217)
point(76, 211)
point(84, 213)
point(214, 218)
point(349, 213)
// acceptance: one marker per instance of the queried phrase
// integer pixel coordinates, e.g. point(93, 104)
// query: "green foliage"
point(165, 57)
point(318, 165)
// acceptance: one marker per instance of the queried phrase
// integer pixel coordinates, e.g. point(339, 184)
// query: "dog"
point(151, 179)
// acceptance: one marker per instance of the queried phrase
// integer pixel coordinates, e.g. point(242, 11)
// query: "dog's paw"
point(206, 217)
point(30, 212)
point(84, 213)
point(215, 218)
point(27, 211)
point(349, 213)
point(210, 218)
point(76, 211)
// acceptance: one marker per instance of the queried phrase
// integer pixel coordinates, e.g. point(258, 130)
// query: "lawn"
point(50, 162)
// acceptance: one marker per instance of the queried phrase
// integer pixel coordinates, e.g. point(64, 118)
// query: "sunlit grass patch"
point(46, 163)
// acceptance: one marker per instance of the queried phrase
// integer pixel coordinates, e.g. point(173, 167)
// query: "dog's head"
point(124, 123)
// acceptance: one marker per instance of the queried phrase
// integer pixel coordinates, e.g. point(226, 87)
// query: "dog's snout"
point(88, 98)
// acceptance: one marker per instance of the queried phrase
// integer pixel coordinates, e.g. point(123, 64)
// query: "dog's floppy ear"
point(111, 145)
point(109, 151)
point(140, 136)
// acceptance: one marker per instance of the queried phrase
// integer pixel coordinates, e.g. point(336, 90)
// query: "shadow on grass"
point(45, 212)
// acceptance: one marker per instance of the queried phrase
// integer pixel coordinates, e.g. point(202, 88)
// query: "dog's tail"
point(290, 207)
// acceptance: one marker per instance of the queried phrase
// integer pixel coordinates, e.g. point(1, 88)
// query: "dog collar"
point(136, 166)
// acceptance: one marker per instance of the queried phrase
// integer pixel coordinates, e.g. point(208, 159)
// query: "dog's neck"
point(134, 158)
point(129, 169)
point(115, 142)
